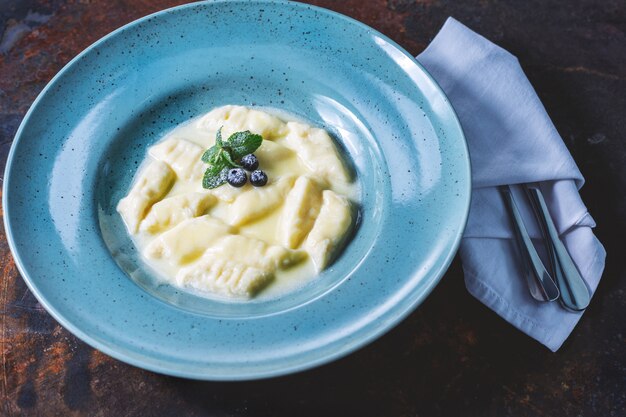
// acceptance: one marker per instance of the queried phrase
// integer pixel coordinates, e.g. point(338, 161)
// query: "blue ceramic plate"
point(79, 145)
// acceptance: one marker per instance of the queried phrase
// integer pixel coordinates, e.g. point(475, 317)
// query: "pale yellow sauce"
point(310, 197)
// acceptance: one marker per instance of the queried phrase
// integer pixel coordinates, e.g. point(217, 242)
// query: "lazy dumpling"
point(187, 240)
point(330, 229)
point(255, 203)
point(302, 207)
point(170, 211)
point(182, 156)
point(153, 183)
point(316, 150)
point(255, 252)
point(225, 277)
point(239, 118)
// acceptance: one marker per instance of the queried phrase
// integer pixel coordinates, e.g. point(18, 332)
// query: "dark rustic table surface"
point(452, 356)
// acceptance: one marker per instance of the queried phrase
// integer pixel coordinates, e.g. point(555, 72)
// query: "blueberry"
point(237, 177)
point(258, 178)
point(249, 162)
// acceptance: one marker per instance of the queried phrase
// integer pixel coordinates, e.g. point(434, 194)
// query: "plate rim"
point(146, 361)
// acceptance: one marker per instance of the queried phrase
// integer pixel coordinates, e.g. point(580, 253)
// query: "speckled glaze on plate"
point(78, 147)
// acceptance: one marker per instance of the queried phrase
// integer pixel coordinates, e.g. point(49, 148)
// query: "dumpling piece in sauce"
point(170, 211)
point(329, 230)
point(317, 151)
point(224, 277)
point(188, 240)
point(182, 156)
point(238, 118)
point(254, 203)
point(302, 207)
point(153, 183)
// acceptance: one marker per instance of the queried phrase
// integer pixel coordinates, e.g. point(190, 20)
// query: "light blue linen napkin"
point(511, 140)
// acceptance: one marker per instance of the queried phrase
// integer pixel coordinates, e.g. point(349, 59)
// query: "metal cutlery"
point(540, 284)
point(568, 285)
point(575, 294)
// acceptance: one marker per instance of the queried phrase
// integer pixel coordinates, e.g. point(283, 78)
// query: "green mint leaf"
point(243, 143)
point(214, 176)
point(218, 138)
point(210, 155)
point(228, 159)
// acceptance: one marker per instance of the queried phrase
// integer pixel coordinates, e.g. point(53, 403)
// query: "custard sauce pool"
point(240, 242)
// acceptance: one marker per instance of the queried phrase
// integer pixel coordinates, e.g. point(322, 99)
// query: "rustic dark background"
point(452, 356)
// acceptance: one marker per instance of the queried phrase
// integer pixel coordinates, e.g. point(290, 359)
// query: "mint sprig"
point(223, 155)
point(214, 176)
point(243, 143)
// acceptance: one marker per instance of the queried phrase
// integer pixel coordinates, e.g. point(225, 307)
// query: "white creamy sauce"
point(239, 242)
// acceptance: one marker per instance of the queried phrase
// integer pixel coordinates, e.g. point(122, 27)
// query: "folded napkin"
point(511, 140)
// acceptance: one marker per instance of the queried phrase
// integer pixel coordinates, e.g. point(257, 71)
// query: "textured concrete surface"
point(450, 357)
